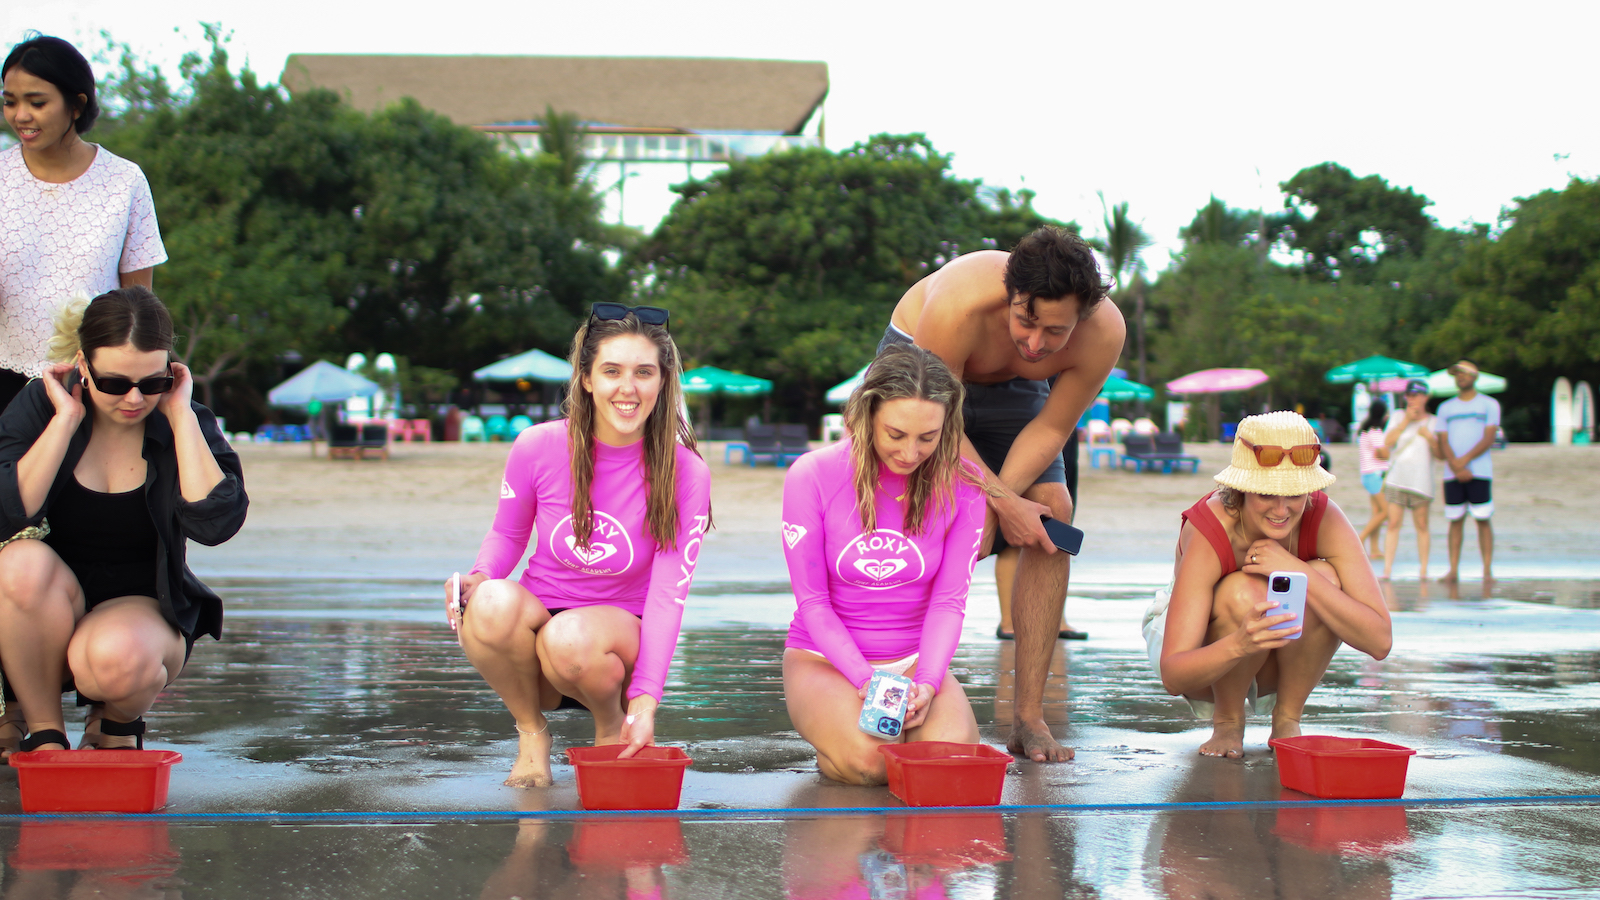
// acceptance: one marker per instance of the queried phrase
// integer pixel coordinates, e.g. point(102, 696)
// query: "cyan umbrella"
point(1374, 368)
point(1118, 389)
point(534, 365)
point(322, 381)
point(712, 380)
point(1443, 384)
point(840, 393)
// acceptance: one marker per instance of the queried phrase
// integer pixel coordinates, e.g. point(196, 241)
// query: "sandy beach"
point(423, 512)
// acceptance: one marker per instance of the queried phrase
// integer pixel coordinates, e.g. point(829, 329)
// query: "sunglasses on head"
point(1269, 455)
point(610, 312)
point(118, 386)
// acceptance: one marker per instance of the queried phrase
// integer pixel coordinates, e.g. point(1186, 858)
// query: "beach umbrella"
point(712, 380)
point(1118, 389)
point(1374, 368)
point(534, 365)
point(1443, 384)
point(840, 393)
point(1217, 381)
point(321, 381)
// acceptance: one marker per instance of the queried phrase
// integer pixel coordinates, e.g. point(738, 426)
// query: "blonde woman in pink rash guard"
point(619, 500)
point(881, 532)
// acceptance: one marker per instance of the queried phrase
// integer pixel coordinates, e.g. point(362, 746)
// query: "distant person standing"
point(1411, 446)
point(1468, 423)
point(1369, 438)
point(74, 217)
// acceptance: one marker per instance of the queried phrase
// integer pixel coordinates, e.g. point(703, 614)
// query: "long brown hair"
point(663, 431)
point(905, 371)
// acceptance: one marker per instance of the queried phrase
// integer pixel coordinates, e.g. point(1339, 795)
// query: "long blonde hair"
point(663, 431)
point(905, 371)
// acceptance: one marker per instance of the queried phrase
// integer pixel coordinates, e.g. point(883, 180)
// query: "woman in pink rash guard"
point(881, 532)
point(619, 500)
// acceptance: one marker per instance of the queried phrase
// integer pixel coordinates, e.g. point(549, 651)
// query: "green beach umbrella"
point(1443, 384)
point(712, 380)
point(1117, 390)
point(1374, 368)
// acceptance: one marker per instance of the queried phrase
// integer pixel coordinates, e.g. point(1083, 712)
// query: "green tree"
point(1125, 242)
point(1345, 225)
point(1530, 301)
point(788, 265)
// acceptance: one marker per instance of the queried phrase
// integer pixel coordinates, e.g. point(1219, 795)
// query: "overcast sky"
point(1160, 105)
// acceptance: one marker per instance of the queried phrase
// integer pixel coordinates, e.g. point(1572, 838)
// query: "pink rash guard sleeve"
point(881, 595)
point(622, 565)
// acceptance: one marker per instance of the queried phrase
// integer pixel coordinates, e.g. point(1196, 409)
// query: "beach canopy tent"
point(534, 365)
point(1443, 384)
point(1118, 389)
point(712, 380)
point(324, 382)
point(1374, 368)
point(1213, 383)
point(840, 393)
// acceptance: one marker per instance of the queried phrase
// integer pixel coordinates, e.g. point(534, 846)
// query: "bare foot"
point(12, 730)
point(1285, 728)
point(532, 768)
point(1449, 577)
point(1375, 555)
point(1227, 740)
point(1032, 740)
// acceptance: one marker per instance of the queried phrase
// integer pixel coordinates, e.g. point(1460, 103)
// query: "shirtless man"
point(1006, 323)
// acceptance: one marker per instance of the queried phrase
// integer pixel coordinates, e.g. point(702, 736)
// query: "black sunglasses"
point(118, 386)
point(610, 312)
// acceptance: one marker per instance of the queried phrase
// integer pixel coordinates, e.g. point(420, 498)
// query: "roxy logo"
point(792, 534)
point(609, 551)
point(506, 493)
point(880, 560)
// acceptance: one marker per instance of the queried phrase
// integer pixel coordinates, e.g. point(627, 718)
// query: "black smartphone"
point(1064, 536)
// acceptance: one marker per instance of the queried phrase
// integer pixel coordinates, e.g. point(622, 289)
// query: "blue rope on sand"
point(714, 814)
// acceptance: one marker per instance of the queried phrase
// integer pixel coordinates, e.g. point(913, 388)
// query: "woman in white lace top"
point(74, 217)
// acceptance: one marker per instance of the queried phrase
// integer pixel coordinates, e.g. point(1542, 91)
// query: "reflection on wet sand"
point(70, 859)
point(1231, 854)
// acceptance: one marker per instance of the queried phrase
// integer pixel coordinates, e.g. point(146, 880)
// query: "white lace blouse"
point(58, 239)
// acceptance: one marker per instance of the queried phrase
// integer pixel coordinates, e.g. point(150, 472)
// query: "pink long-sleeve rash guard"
point(878, 596)
point(622, 566)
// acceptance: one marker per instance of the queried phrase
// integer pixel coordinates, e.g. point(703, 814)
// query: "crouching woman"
point(1210, 635)
point(880, 532)
point(110, 465)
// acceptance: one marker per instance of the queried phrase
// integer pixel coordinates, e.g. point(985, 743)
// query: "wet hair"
point(1052, 264)
point(663, 431)
point(131, 315)
point(906, 371)
point(58, 62)
point(1376, 414)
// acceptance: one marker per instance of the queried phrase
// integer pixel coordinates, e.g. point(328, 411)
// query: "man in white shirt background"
point(1468, 423)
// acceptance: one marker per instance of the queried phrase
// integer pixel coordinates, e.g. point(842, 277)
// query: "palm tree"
point(1124, 243)
point(562, 138)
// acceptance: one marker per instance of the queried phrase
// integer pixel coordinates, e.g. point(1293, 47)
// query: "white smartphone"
point(1288, 590)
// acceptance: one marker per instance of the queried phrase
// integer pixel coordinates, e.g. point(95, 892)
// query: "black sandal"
point(134, 729)
point(45, 736)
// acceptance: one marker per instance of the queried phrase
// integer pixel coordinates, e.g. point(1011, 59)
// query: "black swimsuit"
point(107, 540)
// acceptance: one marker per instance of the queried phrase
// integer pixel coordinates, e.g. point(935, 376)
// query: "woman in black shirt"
point(108, 460)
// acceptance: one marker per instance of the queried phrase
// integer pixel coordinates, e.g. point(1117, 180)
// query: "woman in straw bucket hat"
point(1209, 635)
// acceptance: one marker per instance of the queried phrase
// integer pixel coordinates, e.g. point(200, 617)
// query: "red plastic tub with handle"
point(651, 779)
point(1338, 768)
point(126, 781)
point(940, 773)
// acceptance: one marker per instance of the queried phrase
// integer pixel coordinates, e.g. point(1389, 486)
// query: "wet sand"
point(423, 512)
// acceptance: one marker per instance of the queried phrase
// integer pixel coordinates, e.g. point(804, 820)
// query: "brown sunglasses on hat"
point(1269, 455)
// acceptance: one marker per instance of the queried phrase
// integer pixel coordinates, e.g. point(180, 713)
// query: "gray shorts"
point(994, 414)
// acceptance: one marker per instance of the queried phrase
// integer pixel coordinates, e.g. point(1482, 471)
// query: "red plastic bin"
point(956, 841)
point(940, 773)
point(127, 781)
point(651, 779)
point(637, 841)
point(83, 846)
point(1337, 768)
point(1341, 829)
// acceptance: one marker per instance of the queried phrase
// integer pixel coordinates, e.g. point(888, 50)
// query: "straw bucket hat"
point(1275, 429)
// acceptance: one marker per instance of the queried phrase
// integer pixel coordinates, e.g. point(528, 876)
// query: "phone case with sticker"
point(883, 713)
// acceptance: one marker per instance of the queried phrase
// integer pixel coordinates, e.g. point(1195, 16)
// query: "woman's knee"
point(110, 664)
point(495, 612)
point(859, 763)
point(31, 576)
point(568, 649)
point(1236, 596)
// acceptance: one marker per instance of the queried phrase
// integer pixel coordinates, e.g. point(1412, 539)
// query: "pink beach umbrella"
point(1217, 381)
point(1214, 382)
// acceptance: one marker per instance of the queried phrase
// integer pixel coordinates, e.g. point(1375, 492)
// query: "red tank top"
point(1206, 522)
